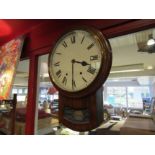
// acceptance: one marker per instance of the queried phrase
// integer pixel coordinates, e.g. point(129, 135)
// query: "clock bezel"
point(106, 62)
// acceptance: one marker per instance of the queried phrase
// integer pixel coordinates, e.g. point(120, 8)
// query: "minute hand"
point(83, 63)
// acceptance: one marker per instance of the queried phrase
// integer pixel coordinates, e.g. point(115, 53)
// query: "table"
point(138, 126)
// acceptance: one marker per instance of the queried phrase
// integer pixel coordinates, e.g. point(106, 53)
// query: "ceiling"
point(11, 28)
point(125, 53)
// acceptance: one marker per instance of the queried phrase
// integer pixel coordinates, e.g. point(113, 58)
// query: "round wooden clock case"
point(79, 64)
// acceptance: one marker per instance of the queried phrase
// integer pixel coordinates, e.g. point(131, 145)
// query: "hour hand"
point(83, 63)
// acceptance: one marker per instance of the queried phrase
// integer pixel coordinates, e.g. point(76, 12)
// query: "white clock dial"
point(75, 60)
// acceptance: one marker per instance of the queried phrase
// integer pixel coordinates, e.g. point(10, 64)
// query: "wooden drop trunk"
point(81, 114)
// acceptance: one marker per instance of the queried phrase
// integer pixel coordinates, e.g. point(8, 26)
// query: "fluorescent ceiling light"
point(149, 67)
point(151, 42)
point(46, 75)
point(125, 71)
point(127, 68)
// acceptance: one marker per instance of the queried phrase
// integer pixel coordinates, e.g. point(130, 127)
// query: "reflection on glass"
point(21, 98)
point(131, 97)
point(14, 91)
point(47, 101)
point(116, 96)
point(136, 95)
point(19, 86)
point(25, 91)
point(20, 91)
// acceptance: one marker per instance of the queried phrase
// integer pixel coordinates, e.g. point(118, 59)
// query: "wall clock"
point(79, 64)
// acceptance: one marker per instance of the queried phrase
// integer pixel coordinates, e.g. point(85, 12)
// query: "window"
point(116, 96)
point(139, 93)
point(131, 97)
point(46, 103)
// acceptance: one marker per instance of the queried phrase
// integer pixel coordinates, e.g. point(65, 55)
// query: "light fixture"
point(151, 40)
point(127, 68)
point(127, 71)
point(149, 67)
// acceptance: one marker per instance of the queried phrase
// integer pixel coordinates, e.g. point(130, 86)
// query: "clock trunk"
point(81, 114)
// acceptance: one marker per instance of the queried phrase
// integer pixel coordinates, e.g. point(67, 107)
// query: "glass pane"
point(116, 96)
point(47, 103)
point(47, 100)
point(20, 83)
point(136, 95)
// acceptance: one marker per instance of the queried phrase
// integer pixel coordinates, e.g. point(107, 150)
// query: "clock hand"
point(83, 63)
point(73, 61)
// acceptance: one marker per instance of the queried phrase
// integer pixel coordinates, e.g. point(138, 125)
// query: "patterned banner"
point(9, 58)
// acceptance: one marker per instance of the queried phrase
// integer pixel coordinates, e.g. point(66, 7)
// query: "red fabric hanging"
point(52, 90)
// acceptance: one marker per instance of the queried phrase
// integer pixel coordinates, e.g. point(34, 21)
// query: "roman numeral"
point(84, 79)
point(91, 70)
point(64, 81)
point(90, 46)
point(58, 53)
point(82, 39)
point(73, 84)
point(94, 57)
point(64, 44)
point(57, 64)
point(73, 39)
point(58, 73)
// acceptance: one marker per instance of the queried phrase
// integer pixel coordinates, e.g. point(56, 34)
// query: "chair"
point(2, 124)
point(12, 114)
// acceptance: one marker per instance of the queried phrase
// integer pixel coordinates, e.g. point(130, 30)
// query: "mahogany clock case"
point(83, 110)
point(106, 63)
point(90, 109)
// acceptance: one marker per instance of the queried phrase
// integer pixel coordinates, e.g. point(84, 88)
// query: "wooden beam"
point(128, 28)
point(31, 103)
